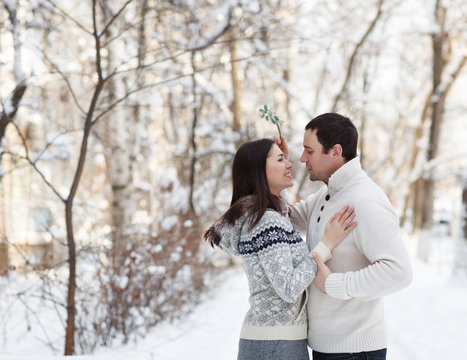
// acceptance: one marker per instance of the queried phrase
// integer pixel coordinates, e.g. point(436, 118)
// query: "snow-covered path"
point(428, 320)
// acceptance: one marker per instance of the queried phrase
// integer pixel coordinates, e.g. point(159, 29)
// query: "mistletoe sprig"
point(269, 115)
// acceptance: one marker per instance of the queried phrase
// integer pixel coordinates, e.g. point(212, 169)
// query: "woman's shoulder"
point(273, 228)
point(273, 218)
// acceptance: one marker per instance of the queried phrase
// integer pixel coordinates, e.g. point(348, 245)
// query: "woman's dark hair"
point(248, 179)
point(335, 129)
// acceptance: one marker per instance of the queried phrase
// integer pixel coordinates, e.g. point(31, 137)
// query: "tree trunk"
point(3, 256)
point(20, 79)
point(464, 209)
point(8, 115)
point(439, 45)
point(119, 136)
point(460, 261)
point(363, 123)
point(411, 197)
point(193, 134)
point(71, 308)
point(236, 85)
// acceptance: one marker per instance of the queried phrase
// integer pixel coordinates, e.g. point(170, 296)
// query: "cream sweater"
point(371, 262)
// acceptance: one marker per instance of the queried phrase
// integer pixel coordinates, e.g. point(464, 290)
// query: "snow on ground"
point(427, 320)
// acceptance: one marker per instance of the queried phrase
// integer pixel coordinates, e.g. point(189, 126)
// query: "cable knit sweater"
point(369, 263)
point(279, 269)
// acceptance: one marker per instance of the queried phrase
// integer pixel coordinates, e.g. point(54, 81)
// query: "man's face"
point(320, 166)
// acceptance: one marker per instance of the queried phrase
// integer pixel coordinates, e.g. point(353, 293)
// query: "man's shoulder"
point(368, 197)
point(369, 189)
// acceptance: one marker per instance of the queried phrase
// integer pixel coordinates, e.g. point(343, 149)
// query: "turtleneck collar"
point(343, 175)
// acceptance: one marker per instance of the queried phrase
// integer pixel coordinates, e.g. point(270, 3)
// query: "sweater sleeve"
point(379, 240)
point(323, 251)
point(273, 245)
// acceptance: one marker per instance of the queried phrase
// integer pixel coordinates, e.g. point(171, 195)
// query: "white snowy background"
point(425, 321)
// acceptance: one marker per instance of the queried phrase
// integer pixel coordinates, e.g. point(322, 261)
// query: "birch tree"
point(11, 104)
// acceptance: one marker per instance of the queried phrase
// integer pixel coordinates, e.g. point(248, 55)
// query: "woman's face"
point(278, 171)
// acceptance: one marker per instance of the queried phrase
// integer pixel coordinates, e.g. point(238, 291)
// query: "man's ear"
point(336, 150)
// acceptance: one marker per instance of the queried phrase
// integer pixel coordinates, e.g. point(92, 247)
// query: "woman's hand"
point(339, 226)
point(283, 146)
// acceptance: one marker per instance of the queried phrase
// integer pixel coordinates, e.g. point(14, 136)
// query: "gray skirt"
point(273, 350)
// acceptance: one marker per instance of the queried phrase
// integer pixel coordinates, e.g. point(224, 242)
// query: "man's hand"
point(283, 146)
point(322, 274)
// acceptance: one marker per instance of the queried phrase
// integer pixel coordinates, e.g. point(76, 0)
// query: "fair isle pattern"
point(268, 237)
point(279, 270)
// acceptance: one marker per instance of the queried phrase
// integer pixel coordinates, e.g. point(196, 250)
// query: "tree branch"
point(353, 57)
point(114, 17)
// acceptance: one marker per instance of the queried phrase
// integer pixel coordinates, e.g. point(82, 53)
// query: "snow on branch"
point(223, 27)
point(443, 89)
point(284, 85)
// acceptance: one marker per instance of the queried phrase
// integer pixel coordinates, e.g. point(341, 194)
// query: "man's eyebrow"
point(307, 147)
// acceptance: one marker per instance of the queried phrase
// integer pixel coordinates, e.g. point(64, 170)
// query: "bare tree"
point(355, 52)
point(441, 85)
point(91, 116)
point(11, 105)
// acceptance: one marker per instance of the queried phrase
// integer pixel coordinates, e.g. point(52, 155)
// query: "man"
point(346, 318)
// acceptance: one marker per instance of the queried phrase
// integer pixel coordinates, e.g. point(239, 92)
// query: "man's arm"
point(301, 211)
point(380, 241)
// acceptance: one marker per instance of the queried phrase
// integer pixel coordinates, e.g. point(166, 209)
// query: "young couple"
point(330, 301)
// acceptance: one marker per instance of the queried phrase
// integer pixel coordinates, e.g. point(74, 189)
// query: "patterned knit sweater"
point(279, 269)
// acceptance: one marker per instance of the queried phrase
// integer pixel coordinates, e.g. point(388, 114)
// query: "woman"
point(277, 261)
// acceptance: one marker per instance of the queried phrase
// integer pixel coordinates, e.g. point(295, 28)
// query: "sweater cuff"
point(335, 286)
point(323, 251)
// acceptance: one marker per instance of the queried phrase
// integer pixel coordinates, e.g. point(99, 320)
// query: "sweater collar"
point(344, 175)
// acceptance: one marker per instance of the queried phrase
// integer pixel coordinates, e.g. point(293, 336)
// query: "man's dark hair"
point(332, 129)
